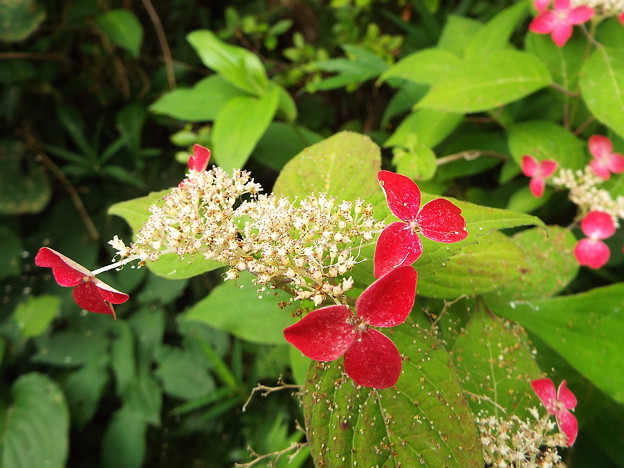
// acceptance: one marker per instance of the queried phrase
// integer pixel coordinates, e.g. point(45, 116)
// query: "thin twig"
point(296, 446)
point(468, 155)
point(447, 304)
point(263, 388)
point(485, 398)
point(162, 39)
point(32, 56)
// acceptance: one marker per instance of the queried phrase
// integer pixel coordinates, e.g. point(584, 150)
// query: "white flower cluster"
point(584, 191)
point(306, 246)
point(603, 7)
point(520, 443)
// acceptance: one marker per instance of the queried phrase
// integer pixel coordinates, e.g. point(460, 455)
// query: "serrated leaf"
point(242, 313)
point(200, 103)
point(496, 365)
point(344, 165)
point(238, 66)
point(424, 420)
point(35, 427)
point(487, 81)
point(585, 329)
point(239, 125)
point(35, 314)
point(123, 28)
point(602, 85)
point(546, 140)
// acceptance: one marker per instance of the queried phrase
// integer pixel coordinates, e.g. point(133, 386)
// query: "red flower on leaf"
point(370, 358)
point(538, 172)
point(89, 293)
point(591, 251)
point(399, 243)
point(559, 403)
point(559, 21)
point(199, 160)
point(605, 160)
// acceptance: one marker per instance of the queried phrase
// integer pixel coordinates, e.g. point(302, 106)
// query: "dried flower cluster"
point(603, 7)
point(520, 443)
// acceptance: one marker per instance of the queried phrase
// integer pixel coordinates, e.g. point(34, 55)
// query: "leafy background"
point(101, 102)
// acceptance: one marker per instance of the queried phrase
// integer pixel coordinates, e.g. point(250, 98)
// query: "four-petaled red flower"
point(591, 251)
point(559, 21)
point(89, 293)
point(541, 5)
point(538, 172)
point(559, 403)
point(199, 161)
point(399, 243)
point(605, 160)
point(370, 358)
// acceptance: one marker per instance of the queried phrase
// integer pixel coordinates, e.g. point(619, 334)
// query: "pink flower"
point(558, 403)
point(538, 172)
point(89, 293)
point(591, 251)
point(370, 358)
point(559, 21)
point(621, 18)
point(199, 160)
point(399, 244)
point(541, 5)
point(605, 160)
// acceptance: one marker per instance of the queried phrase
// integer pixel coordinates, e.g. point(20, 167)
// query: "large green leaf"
point(546, 140)
point(123, 28)
point(424, 420)
point(564, 63)
point(602, 84)
point(585, 329)
point(200, 103)
point(19, 19)
point(123, 444)
point(35, 314)
point(495, 364)
point(239, 125)
point(344, 165)
point(244, 312)
point(425, 66)
point(487, 81)
point(239, 66)
point(34, 429)
point(425, 126)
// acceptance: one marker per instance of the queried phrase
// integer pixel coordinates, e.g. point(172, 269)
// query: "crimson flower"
point(538, 172)
point(89, 293)
point(199, 160)
point(591, 251)
point(558, 403)
point(370, 358)
point(605, 160)
point(559, 21)
point(621, 18)
point(399, 243)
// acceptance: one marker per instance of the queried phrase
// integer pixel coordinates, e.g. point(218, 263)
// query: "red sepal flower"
point(559, 403)
point(199, 160)
point(605, 160)
point(89, 292)
point(541, 5)
point(370, 358)
point(538, 172)
point(559, 21)
point(591, 251)
point(399, 244)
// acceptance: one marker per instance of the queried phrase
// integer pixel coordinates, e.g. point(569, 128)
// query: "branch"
point(266, 390)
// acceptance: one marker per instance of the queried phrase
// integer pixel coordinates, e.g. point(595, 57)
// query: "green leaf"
point(144, 398)
point(426, 126)
point(123, 28)
point(244, 312)
point(495, 34)
point(344, 165)
point(546, 140)
point(84, 388)
point(281, 142)
point(200, 103)
point(238, 66)
point(550, 264)
point(122, 356)
point(123, 445)
point(182, 374)
point(70, 349)
point(524, 201)
point(495, 364)
point(362, 65)
point(563, 63)
point(456, 30)
point(602, 85)
point(479, 266)
point(487, 81)
point(424, 420)
point(418, 162)
point(425, 66)
point(161, 290)
point(239, 125)
point(10, 253)
point(19, 19)
point(35, 427)
point(35, 314)
point(585, 329)
point(136, 211)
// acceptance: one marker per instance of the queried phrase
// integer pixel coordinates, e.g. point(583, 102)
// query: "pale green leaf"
point(425, 66)
point(35, 314)
point(123, 28)
point(426, 126)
